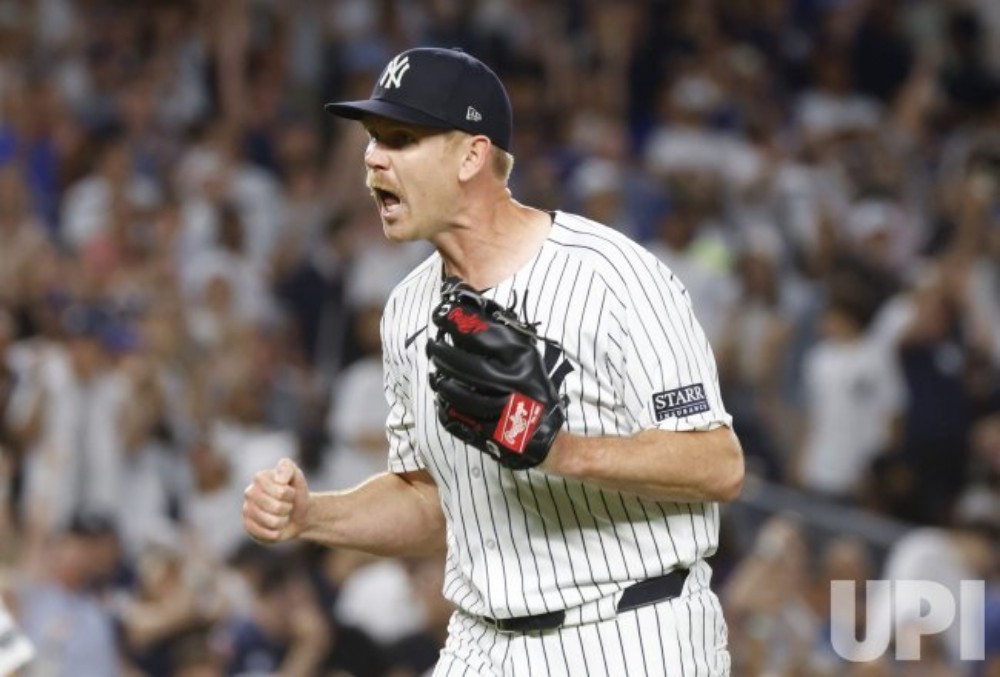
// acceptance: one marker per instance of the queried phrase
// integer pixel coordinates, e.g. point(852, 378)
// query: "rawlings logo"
point(467, 323)
point(518, 422)
point(516, 425)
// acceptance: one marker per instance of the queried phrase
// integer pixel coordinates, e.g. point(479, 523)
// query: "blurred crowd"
point(192, 275)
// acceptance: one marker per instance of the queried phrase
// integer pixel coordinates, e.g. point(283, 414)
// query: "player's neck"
point(494, 244)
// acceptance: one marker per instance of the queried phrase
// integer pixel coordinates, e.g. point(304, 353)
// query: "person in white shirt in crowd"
point(853, 393)
point(356, 419)
point(151, 468)
point(212, 173)
point(831, 108)
point(228, 261)
point(108, 197)
point(238, 440)
point(685, 141)
point(67, 404)
point(356, 426)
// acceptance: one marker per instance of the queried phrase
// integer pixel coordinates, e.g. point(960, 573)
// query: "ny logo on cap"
point(393, 74)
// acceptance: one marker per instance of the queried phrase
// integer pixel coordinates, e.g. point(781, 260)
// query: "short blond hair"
point(502, 164)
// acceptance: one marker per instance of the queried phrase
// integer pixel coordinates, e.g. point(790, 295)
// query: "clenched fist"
point(276, 503)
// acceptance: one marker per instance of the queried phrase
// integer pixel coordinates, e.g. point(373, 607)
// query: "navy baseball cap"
point(441, 89)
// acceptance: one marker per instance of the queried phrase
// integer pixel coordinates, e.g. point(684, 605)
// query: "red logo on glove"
point(518, 422)
point(467, 323)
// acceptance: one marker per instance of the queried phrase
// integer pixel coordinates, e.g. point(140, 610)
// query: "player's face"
point(412, 176)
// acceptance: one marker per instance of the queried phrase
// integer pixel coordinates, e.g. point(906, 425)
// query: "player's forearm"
point(389, 515)
point(655, 464)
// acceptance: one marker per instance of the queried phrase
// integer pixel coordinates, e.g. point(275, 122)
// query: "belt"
point(648, 591)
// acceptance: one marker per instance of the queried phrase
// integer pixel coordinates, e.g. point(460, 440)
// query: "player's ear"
point(475, 157)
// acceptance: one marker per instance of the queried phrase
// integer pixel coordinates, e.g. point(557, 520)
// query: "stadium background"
point(191, 277)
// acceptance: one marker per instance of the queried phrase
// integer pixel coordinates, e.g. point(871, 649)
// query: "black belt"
point(639, 594)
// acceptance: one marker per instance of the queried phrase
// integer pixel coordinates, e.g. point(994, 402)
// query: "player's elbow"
point(731, 485)
point(731, 471)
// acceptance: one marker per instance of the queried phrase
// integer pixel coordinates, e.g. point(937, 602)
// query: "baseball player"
point(555, 417)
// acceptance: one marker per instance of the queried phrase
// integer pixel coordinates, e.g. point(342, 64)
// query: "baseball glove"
point(492, 388)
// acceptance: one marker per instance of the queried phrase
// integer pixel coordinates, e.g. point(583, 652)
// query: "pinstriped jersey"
point(622, 343)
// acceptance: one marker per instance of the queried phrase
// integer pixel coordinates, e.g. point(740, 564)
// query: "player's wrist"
point(563, 457)
point(310, 524)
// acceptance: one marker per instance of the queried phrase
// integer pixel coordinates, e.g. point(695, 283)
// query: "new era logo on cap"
point(440, 89)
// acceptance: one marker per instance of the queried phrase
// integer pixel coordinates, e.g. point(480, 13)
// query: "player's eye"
point(399, 138)
point(393, 138)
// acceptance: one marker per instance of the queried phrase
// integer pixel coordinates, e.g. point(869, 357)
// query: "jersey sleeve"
point(400, 423)
point(670, 377)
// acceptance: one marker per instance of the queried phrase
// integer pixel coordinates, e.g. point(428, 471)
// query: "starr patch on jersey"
point(680, 402)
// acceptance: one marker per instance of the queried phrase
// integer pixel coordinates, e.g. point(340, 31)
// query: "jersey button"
point(491, 544)
point(476, 472)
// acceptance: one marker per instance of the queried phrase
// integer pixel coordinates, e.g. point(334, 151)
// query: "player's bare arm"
point(389, 515)
point(657, 465)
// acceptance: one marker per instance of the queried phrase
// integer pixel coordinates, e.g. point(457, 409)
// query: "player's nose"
point(376, 156)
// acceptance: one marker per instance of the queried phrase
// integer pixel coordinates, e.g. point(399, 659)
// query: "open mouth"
point(387, 200)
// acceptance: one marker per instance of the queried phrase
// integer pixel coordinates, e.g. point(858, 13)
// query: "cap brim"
point(356, 110)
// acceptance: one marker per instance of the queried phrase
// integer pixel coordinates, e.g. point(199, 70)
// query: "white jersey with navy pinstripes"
point(623, 344)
